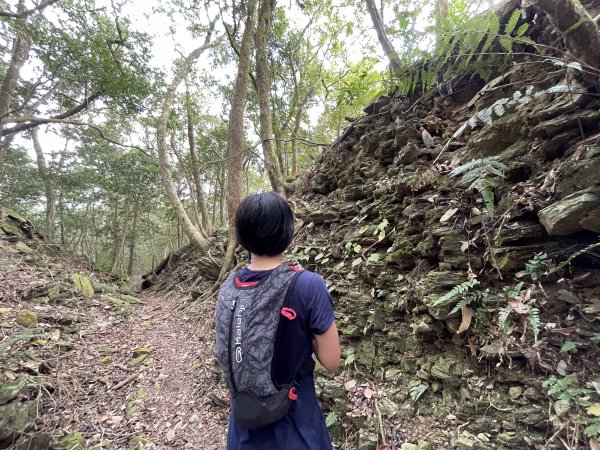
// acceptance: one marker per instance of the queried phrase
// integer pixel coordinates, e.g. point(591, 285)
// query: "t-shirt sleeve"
point(320, 305)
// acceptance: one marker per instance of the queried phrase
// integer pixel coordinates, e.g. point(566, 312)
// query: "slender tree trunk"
point(48, 185)
point(165, 166)
point(214, 200)
point(132, 242)
point(235, 140)
point(117, 264)
point(19, 54)
point(223, 199)
point(190, 184)
point(196, 172)
point(387, 46)
point(61, 208)
point(263, 86)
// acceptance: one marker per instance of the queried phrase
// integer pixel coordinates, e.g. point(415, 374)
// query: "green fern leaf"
point(488, 199)
point(492, 34)
point(534, 322)
point(512, 22)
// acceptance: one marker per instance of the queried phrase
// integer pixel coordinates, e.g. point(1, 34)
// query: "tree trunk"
point(263, 86)
point(442, 12)
point(20, 52)
point(200, 200)
point(132, 242)
point(235, 140)
point(387, 46)
point(165, 166)
point(222, 198)
point(61, 209)
point(48, 185)
point(579, 31)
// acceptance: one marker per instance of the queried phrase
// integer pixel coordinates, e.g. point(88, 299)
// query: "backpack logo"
point(238, 334)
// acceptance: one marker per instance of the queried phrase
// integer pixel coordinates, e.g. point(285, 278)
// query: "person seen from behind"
point(271, 316)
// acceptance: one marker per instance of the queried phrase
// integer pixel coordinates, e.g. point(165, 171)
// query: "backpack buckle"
point(292, 394)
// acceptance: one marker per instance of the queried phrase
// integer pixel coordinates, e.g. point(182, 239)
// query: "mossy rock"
point(145, 351)
point(16, 417)
point(24, 248)
point(83, 284)
point(72, 441)
point(130, 299)
point(27, 319)
point(9, 391)
point(10, 229)
point(125, 308)
point(139, 443)
point(99, 445)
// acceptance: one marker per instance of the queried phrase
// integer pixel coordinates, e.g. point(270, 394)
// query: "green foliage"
point(462, 295)
point(416, 392)
point(331, 419)
point(579, 400)
point(536, 267)
point(521, 304)
point(22, 335)
point(350, 356)
point(570, 345)
point(465, 46)
point(482, 176)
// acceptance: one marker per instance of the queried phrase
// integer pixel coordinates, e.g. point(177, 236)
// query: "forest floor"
point(144, 382)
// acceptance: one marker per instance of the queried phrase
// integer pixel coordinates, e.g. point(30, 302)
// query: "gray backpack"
point(248, 323)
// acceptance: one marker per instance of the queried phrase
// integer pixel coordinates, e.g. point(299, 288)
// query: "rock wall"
point(392, 231)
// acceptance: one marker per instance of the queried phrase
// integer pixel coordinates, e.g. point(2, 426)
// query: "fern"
point(457, 46)
point(24, 335)
point(456, 292)
point(534, 322)
point(479, 175)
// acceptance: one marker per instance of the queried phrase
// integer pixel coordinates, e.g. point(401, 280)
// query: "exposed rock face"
point(392, 232)
point(576, 212)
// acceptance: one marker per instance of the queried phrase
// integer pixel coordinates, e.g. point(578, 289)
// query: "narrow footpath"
point(144, 381)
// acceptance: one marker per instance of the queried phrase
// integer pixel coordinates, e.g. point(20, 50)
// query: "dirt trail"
point(144, 381)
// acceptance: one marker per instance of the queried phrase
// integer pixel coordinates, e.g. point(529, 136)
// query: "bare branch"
point(46, 120)
point(29, 12)
point(53, 119)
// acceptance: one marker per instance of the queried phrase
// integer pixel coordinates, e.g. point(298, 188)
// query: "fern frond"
point(488, 199)
point(464, 303)
point(512, 22)
point(493, 31)
point(534, 322)
point(456, 292)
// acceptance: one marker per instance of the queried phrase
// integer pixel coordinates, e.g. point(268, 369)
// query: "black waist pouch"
point(253, 412)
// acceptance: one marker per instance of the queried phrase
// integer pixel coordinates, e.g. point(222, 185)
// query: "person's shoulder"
point(310, 285)
point(308, 279)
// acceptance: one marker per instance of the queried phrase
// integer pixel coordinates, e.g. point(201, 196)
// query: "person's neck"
point(259, 262)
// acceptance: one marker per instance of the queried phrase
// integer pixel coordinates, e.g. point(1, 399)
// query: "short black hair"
point(264, 224)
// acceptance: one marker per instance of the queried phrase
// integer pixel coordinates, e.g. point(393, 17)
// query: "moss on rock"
point(82, 284)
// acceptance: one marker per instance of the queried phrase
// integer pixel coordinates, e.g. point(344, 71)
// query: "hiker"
point(270, 318)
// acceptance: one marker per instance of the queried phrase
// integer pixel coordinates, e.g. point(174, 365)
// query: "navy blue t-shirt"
point(303, 428)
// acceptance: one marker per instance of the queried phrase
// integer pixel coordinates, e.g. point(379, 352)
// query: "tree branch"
point(29, 12)
point(45, 120)
point(52, 119)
